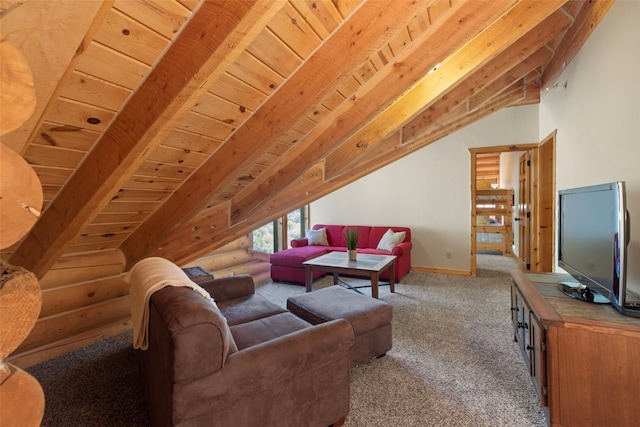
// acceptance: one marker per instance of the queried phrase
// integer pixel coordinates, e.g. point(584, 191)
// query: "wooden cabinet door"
point(517, 316)
point(537, 349)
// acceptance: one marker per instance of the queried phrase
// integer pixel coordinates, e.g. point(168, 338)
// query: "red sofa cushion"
point(297, 257)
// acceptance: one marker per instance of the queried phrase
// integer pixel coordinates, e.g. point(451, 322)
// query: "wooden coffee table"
point(366, 265)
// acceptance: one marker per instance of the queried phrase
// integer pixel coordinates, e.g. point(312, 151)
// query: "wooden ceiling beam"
point(532, 89)
point(520, 71)
point(201, 52)
point(452, 31)
point(507, 65)
point(584, 23)
point(497, 72)
point(365, 32)
point(495, 51)
point(455, 120)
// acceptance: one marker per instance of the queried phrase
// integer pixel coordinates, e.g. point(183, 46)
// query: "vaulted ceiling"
point(172, 127)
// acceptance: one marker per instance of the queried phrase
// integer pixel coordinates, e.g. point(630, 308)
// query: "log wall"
point(85, 298)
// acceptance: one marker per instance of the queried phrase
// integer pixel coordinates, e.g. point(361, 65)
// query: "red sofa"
point(286, 265)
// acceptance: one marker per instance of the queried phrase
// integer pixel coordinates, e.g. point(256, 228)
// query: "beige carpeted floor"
point(453, 362)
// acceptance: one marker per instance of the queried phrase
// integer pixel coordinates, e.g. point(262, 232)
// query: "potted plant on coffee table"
point(351, 236)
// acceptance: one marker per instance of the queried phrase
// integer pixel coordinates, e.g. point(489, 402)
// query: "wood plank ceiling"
point(172, 127)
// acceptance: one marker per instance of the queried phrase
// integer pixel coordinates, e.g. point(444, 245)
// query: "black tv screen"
point(593, 236)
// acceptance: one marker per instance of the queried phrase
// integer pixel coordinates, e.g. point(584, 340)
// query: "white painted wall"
point(598, 116)
point(430, 190)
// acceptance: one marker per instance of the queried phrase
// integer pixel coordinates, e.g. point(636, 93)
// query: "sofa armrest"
point(320, 352)
point(401, 248)
point(228, 288)
point(301, 241)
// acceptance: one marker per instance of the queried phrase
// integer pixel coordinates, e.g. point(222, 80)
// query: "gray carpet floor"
point(453, 362)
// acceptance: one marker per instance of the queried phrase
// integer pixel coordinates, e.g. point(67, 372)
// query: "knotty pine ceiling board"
point(142, 182)
point(121, 227)
point(254, 73)
point(80, 115)
point(319, 113)
point(52, 176)
point(166, 170)
point(400, 42)
point(96, 243)
point(348, 87)
point(190, 4)
point(221, 109)
point(191, 142)
point(290, 137)
point(206, 126)
point(346, 7)
point(122, 206)
point(333, 100)
point(47, 156)
point(132, 194)
point(437, 9)
point(57, 135)
point(118, 218)
point(274, 53)
point(290, 27)
point(279, 148)
point(382, 58)
point(365, 72)
point(236, 91)
point(165, 17)
point(129, 37)
point(304, 126)
point(177, 156)
point(107, 64)
point(91, 90)
point(322, 16)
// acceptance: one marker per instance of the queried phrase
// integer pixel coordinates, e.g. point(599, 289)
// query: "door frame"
point(542, 230)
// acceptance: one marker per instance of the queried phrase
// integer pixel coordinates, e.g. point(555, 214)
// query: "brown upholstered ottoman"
point(369, 317)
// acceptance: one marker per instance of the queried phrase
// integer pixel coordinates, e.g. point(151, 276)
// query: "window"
point(295, 225)
point(267, 238)
point(264, 238)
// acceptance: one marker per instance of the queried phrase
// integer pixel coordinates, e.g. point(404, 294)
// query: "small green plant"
point(352, 235)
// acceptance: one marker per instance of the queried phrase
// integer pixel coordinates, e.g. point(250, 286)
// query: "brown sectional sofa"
point(247, 362)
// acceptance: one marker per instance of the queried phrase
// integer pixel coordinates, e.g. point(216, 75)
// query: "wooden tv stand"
point(584, 358)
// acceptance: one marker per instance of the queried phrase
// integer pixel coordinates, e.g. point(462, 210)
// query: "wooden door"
point(545, 205)
point(524, 212)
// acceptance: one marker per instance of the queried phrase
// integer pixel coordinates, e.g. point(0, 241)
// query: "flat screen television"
point(593, 234)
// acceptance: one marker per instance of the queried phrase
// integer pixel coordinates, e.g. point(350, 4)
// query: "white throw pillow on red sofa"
point(390, 239)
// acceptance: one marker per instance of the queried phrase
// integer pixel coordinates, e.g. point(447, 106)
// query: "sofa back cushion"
point(198, 334)
point(369, 235)
point(334, 233)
